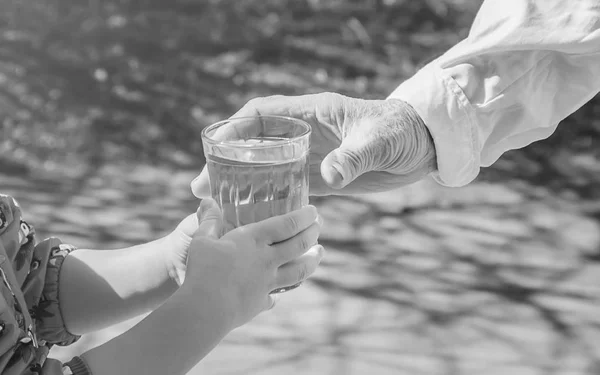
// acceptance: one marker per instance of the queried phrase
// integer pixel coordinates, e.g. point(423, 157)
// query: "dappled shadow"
point(102, 105)
point(150, 74)
point(504, 286)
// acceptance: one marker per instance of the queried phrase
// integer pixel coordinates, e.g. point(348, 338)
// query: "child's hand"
point(177, 243)
point(243, 266)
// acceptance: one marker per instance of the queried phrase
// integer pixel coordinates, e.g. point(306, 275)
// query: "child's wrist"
point(207, 300)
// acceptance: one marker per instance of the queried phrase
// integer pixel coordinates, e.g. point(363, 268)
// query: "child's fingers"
point(291, 249)
point(210, 219)
point(299, 269)
point(280, 228)
point(186, 228)
point(201, 185)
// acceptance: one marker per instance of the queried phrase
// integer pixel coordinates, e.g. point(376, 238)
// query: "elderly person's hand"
point(357, 146)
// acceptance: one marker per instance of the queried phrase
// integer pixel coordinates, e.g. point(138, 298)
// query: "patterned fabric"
point(30, 317)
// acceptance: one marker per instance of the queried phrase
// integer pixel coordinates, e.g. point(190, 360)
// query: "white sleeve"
point(524, 67)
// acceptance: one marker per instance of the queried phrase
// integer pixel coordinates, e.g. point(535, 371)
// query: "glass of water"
point(257, 166)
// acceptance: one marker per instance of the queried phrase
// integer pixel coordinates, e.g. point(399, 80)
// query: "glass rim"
point(206, 138)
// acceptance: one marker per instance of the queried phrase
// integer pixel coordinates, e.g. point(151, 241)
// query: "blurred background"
point(102, 103)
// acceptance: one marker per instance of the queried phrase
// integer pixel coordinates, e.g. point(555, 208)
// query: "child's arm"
point(171, 340)
point(227, 283)
point(101, 288)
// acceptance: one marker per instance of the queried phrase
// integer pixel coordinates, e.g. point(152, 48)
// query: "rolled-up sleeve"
point(49, 320)
point(524, 67)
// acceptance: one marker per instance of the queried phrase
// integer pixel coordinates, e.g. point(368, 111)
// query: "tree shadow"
point(92, 94)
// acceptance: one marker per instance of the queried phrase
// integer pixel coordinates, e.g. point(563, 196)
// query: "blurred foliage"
point(86, 83)
point(82, 83)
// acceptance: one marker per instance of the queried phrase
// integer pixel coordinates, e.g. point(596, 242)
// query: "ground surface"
point(102, 104)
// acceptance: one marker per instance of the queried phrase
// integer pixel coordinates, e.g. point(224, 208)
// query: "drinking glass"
point(257, 166)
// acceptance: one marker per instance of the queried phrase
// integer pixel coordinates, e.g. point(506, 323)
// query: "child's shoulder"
point(9, 211)
point(13, 227)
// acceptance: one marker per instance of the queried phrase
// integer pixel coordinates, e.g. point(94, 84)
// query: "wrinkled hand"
point(357, 146)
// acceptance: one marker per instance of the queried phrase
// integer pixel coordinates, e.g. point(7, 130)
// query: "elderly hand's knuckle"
point(247, 235)
point(333, 95)
point(256, 99)
point(255, 102)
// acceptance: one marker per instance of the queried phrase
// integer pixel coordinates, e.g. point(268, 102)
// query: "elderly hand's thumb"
point(344, 164)
point(209, 219)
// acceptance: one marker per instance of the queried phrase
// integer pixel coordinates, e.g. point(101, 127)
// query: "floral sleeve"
point(47, 312)
point(30, 316)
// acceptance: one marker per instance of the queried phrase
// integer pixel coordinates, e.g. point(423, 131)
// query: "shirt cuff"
point(446, 112)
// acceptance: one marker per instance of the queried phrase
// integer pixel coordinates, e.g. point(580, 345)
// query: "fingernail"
point(205, 204)
point(201, 205)
point(193, 187)
point(338, 177)
point(312, 208)
point(333, 175)
point(274, 298)
point(320, 220)
point(321, 251)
